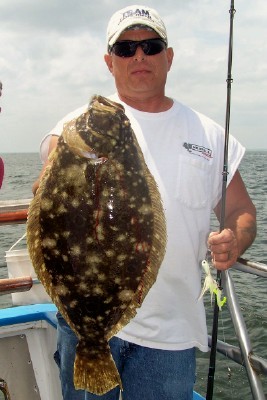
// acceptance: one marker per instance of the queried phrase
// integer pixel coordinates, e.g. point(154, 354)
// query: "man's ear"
point(108, 61)
point(170, 56)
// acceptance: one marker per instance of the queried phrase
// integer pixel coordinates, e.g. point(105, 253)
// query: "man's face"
point(140, 76)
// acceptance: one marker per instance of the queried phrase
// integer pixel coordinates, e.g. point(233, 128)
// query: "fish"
point(96, 235)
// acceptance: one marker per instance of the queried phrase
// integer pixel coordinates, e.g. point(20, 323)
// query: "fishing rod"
point(229, 81)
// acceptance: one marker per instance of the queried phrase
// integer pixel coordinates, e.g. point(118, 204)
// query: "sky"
point(51, 62)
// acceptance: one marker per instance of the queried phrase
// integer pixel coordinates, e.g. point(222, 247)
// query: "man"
point(155, 352)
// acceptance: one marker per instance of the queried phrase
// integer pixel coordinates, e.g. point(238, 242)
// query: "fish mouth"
point(88, 154)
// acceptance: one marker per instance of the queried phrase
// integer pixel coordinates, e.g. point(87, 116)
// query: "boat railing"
point(255, 366)
point(13, 211)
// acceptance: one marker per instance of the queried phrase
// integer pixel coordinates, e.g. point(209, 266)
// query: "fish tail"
point(97, 375)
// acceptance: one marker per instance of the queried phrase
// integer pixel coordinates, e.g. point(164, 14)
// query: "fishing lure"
point(212, 285)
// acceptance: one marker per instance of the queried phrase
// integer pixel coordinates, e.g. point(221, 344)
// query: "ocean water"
point(230, 379)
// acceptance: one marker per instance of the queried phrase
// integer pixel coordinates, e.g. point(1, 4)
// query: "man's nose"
point(139, 54)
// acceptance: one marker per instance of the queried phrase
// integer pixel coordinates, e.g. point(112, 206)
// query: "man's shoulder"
point(57, 130)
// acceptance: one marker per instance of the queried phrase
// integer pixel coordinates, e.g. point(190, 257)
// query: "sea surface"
point(230, 379)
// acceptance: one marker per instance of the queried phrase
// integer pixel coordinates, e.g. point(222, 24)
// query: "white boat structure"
point(28, 330)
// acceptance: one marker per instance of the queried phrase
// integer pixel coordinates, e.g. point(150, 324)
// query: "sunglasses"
point(127, 48)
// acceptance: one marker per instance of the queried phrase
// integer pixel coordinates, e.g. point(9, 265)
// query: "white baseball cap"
point(132, 16)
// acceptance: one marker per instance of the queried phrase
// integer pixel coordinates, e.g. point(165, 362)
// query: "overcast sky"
point(51, 62)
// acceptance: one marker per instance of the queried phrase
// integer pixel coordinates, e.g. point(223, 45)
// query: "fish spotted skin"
point(96, 235)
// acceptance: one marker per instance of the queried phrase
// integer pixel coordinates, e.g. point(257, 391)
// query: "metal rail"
point(251, 267)
point(14, 205)
point(14, 211)
point(233, 353)
point(242, 336)
point(14, 285)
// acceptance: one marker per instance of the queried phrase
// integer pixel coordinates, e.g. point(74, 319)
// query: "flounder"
point(96, 235)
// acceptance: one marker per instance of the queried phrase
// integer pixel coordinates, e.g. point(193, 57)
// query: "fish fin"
point(51, 156)
point(97, 375)
point(33, 236)
point(74, 141)
point(126, 317)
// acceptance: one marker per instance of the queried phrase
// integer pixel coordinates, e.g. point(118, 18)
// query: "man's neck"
point(151, 105)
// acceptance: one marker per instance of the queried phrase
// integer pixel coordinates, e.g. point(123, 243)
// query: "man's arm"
point(240, 225)
point(52, 146)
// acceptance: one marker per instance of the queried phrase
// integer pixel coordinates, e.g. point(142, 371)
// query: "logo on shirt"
point(198, 150)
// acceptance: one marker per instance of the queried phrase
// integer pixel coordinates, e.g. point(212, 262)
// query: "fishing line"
point(229, 81)
point(229, 370)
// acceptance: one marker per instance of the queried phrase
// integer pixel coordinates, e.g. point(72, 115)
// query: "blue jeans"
point(146, 373)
